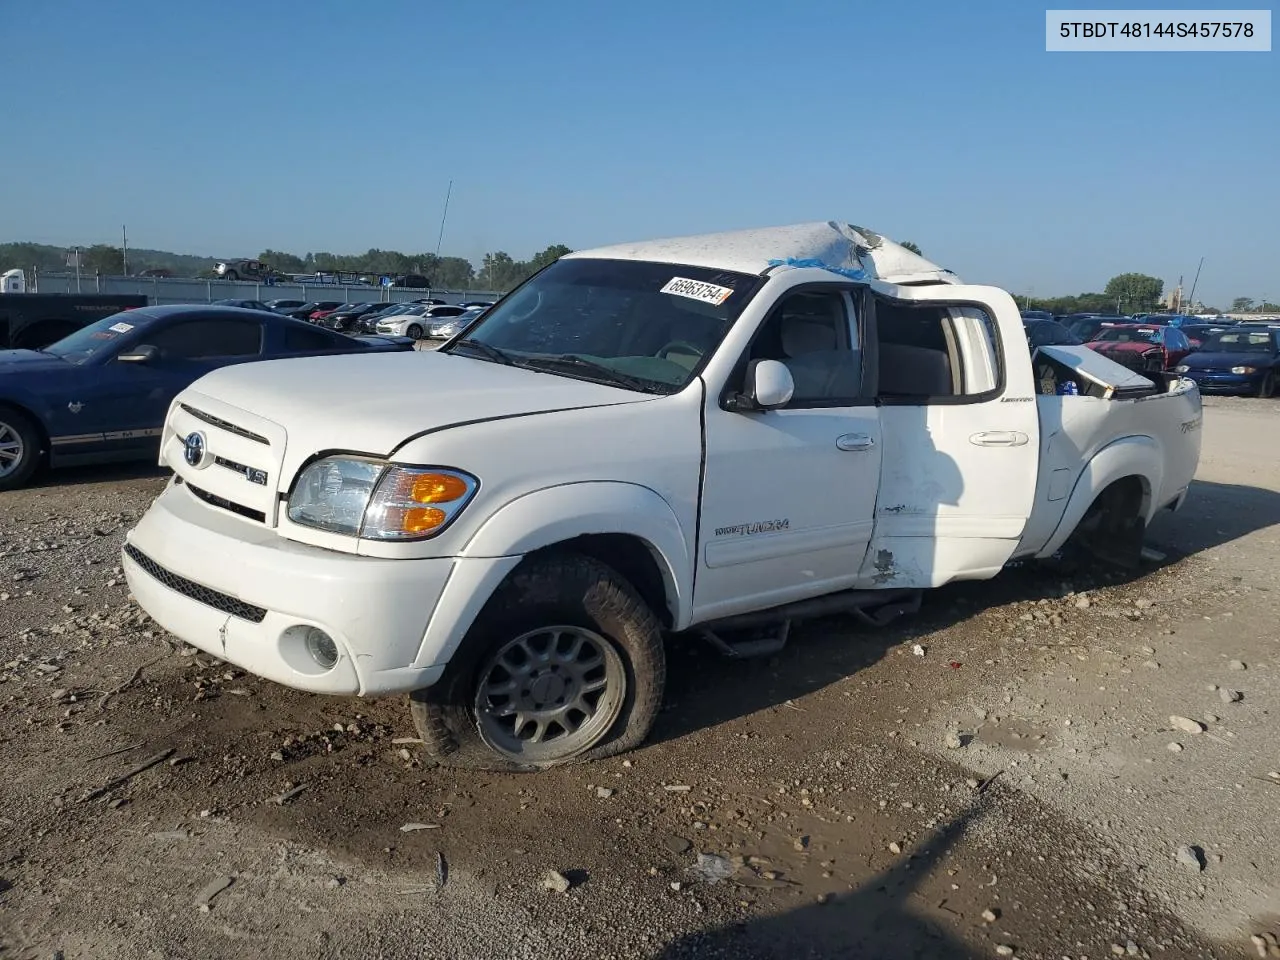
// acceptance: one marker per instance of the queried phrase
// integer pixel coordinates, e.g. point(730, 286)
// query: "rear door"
point(961, 435)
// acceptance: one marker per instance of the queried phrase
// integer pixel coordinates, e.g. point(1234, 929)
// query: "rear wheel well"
point(632, 558)
point(1114, 526)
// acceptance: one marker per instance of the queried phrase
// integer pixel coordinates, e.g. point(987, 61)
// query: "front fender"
point(1138, 456)
point(39, 406)
point(542, 519)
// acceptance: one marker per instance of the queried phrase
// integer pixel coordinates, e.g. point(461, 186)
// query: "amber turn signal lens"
point(421, 519)
point(437, 488)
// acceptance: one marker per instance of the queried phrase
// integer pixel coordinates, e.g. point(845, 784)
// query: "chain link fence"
point(165, 290)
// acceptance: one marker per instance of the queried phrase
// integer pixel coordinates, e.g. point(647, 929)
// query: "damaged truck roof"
point(840, 247)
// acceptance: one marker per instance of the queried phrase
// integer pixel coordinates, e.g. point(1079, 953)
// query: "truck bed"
point(1120, 424)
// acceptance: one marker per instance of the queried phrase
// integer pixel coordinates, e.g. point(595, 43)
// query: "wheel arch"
point(30, 413)
point(627, 527)
point(1129, 471)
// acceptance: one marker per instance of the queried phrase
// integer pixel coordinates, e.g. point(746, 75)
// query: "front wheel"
point(1267, 387)
point(231, 275)
point(414, 331)
point(565, 663)
point(19, 448)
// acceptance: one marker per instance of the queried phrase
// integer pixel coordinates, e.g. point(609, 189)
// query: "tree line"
point(497, 271)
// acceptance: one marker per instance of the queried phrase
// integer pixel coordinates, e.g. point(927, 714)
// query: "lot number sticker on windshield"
point(122, 327)
point(697, 290)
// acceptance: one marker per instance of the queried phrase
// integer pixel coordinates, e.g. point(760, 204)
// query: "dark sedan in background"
point(1243, 359)
point(102, 393)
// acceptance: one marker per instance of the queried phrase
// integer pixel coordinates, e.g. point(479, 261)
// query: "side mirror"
point(143, 353)
point(769, 385)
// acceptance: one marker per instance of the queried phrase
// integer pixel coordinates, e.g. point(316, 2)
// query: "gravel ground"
point(1016, 787)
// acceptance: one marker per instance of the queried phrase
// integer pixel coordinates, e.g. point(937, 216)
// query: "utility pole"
point(443, 216)
point(1191, 300)
point(124, 248)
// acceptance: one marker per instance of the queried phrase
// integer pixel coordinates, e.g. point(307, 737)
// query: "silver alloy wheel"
point(414, 331)
point(550, 694)
point(11, 449)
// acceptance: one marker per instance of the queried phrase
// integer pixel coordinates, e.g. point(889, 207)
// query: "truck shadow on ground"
point(875, 921)
point(705, 689)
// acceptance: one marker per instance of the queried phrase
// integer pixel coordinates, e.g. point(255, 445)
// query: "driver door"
point(135, 397)
point(789, 495)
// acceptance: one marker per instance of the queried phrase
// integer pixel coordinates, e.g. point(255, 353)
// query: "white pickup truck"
point(703, 435)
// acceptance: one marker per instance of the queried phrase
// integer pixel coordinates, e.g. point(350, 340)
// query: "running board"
point(875, 608)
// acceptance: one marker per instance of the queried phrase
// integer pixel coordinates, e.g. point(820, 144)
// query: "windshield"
point(640, 325)
point(1129, 335)
point(1239, 342)
point(97, 338)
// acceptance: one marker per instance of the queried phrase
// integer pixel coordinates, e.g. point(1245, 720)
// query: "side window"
point(206, 339)
point(308, 339)
point(933, 351)
point(813, 335)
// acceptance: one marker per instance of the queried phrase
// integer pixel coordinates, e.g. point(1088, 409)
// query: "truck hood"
point(375, 403)
point(24, 361)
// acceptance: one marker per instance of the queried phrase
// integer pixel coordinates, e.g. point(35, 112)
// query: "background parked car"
point(1244, 359)
point(476, 304)
point(243, 269)
point(101, 393)
point(413, 323)
point(285, 306)
point(1048, 333)
point(1142, 347)
point(452, 328)
point(347, 318)
point(1087, 325)
point(1199, 333)
point(243, 304)
point(415, 280)
point(304, 312)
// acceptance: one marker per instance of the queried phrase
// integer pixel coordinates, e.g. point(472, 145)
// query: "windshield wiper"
point(608, 373)
point(488, 349)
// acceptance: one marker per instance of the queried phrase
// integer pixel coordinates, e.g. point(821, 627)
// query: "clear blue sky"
point(230, 127)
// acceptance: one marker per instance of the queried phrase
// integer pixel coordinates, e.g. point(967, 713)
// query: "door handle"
point(999, 438)
point(855, 441)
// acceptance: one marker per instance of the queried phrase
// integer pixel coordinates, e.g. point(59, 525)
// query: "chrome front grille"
point(224, 424)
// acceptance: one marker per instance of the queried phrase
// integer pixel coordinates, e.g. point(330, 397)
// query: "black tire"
point(414, 331)
point(557, 589)
point(1267, 387)
point(231, 275)
point(16, 426)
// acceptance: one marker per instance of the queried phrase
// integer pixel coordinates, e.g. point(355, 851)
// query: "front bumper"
point(1226, 382)
point(233, 589)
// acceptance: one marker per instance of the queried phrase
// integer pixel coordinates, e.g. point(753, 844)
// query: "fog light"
point(321, 647)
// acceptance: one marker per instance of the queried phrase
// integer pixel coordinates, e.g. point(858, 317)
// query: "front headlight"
point(1182, 368)
point(1244, 370)
point(445, 330)
point(378, 501)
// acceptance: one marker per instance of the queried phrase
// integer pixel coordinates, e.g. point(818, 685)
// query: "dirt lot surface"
point(1076, 767)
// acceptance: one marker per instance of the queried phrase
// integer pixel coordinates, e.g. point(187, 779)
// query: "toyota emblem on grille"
point(193, 449)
